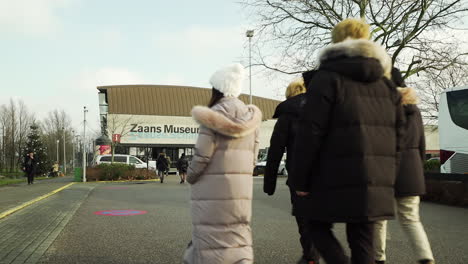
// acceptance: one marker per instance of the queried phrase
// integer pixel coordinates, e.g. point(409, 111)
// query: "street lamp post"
point(64, 156)
point(250, 34)
point(84, 144)
point(58, 143)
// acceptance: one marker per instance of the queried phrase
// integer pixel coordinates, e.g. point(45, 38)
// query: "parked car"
point(259, 168)
point(126, 159)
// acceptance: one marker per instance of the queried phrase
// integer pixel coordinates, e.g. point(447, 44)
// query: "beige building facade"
point(150, 119)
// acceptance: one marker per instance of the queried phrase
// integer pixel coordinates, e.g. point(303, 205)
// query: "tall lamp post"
point(84, 144)
point(64, 156)
point(73, 150)
point(250, 34)
point(58, 143)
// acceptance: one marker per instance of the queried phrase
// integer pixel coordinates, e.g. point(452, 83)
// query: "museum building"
point(150, 119)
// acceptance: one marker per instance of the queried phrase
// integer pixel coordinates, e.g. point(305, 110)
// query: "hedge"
point(118, 171)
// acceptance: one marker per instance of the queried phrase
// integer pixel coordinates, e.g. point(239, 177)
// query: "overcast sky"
point(55, 52)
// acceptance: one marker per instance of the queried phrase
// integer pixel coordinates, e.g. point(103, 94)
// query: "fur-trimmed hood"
point(230, 117)
point(408, 96)
point(357, 49)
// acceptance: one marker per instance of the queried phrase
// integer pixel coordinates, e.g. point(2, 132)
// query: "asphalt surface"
point(161, 235)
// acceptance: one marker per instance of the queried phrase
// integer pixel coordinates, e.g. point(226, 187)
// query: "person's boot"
point(426, 261)
point(380, 262)
point(305, 261)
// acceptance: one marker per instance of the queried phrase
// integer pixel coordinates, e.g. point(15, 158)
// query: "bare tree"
point(15, 121)
point(57, 128)
point(3, 124)
point(117, 124)
point(290, 32)
point(420, 36)
point(431, 83)
point(25, 120)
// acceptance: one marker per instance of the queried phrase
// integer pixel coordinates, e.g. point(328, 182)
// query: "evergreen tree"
point(35, 144)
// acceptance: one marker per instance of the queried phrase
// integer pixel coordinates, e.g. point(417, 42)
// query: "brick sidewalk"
point(16, 194)
point(27, 234)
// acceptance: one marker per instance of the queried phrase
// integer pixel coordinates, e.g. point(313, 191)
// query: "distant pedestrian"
point(346, 148)
point(162, 165)
point(169, 163)
point(220, 174)
point(283, 138)
point(30, 167)
point(182, 166)
point(55, 170)
point(409, 183)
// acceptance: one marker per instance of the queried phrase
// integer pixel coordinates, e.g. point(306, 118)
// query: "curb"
point(17, 208)
point(153, 180)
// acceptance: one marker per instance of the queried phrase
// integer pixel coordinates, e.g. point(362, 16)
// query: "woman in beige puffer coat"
point(220, 174)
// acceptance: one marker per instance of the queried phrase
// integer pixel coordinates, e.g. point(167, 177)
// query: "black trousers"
point(30, 177)
point(360, 240)
point(309, 252)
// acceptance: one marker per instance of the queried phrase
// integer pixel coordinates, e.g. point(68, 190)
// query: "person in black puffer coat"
point(162, 164)
point(409, 183)
point(346, 148)
point(182, 166)
point(282, 139)
point(30, 167)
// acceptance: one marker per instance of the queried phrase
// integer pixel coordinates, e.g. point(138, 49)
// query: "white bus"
point(453, 130)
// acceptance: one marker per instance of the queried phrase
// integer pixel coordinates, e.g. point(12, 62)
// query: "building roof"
point(168, 100)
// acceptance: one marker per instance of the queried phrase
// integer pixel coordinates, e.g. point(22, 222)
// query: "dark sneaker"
point(305, 261)
point(426, 261)
point(380, 262)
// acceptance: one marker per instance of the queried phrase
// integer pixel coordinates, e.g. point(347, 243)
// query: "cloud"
point(199, 44)
point(30, 17)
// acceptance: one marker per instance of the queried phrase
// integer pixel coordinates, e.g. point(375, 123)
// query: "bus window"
point(458, 107)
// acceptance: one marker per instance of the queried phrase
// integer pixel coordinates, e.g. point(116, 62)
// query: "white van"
point(127, 159)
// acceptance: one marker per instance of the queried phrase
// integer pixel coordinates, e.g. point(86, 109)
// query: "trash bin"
point(78, 173)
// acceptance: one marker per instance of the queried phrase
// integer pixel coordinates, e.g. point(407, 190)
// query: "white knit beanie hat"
point(228, 80)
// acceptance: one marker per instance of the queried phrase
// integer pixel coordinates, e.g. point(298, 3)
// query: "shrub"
point(432, 166)
point(118, 171)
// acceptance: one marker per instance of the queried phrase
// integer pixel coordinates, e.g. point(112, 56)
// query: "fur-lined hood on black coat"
point(350, 53)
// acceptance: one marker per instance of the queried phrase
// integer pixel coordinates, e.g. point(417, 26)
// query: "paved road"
point(13, 195)
point(64, 228)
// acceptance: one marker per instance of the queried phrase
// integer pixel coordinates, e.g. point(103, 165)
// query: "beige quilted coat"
point(221, 178)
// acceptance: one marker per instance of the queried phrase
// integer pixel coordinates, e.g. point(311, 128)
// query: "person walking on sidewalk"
point(162, 165)
point(346, 147)
point(30, 166)
point(283, 137)
point(220, 173)
point(409, 183)
point(169, 163)
point(182, 165)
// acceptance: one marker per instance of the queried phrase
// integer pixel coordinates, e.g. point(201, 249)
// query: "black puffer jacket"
point(30, 165)
point(162, 163)
point(282, 139)
point(349, 135)
point(410, 178)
